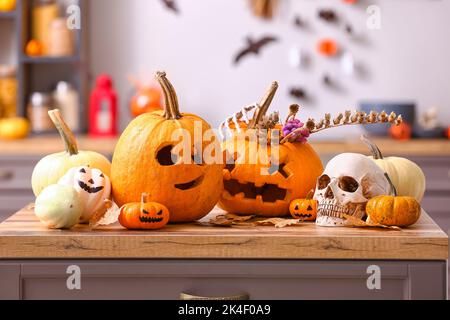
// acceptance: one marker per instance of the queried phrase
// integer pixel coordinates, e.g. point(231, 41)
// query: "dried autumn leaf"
point(106, 215)
point(280, 222)
point(229, 219)
point(355, 222)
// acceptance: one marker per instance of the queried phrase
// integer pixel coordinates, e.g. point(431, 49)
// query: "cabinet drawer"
point(297, 279)
point(15, 172)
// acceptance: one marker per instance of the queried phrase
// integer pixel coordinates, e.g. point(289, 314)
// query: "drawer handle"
point(188, 296)
point(6, 175)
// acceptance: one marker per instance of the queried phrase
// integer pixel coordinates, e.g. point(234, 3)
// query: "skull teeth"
point(332, 210)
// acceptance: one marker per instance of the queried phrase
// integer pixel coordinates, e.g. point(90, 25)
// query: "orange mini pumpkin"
point(146, 160)
point(448, 132)
point(144, 215)
point(304, 209)
point(402, 132)
point(146, 99)
point(34, 48)
point(257, 187)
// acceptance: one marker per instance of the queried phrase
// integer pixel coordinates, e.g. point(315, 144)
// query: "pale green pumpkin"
point(59, 207)
point(51, 168)
point(406, 176)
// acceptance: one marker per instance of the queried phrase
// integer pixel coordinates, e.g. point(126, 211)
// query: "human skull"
point(349, 181)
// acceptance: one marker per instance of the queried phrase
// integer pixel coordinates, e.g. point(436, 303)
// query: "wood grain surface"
point(22, 236)
point(43, 145)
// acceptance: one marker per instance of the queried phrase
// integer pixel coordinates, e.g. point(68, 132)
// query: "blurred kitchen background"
point(95, 60)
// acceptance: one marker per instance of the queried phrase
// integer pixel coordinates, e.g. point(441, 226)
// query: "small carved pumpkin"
point(392, 210)
point(93, 186)
point(304, 209)
point(144, 215)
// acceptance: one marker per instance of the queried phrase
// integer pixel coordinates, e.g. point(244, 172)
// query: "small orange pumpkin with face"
point(304, 209)
point(144, 215)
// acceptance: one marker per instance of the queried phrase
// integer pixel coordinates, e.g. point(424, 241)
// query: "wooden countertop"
point(42, 145)
point(22, 236)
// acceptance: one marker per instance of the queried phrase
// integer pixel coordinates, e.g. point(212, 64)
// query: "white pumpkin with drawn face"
point(93, 186)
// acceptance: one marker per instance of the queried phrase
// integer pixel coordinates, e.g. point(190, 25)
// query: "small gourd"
point(393, 210)
point(59, 207)
point(304, 209)
point(52, 167)
point(144, 215)
point(14, 128)
point(92, 185)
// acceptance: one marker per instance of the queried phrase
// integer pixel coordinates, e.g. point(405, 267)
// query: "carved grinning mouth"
point(190, 185)
point(303, 216)
point(88, 189)
point(150, 219)
point(267, 192)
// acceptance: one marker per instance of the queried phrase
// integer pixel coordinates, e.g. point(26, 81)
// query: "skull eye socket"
point(323, 182)
point(164, 156)
point(348, 184)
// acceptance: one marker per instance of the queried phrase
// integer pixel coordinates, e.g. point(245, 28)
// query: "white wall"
point(407, 59)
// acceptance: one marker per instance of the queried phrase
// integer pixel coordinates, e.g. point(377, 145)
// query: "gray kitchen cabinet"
point(258, 280)
point(15, 183)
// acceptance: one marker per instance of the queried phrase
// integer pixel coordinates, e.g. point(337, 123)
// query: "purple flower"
point(300, 135)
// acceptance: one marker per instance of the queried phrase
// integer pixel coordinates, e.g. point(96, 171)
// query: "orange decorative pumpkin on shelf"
point(448, 132)
point(34, 48)
point(144, 215)
point(304, 209)
point(402, 132)
point(263, 188)
point(327, 47)
point(146, 160)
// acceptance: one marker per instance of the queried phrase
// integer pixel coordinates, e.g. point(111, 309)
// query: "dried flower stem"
point(357, 118)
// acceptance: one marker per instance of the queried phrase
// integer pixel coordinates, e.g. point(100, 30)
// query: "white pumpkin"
point(93, 186)
point(407, 177)
point(58, 207)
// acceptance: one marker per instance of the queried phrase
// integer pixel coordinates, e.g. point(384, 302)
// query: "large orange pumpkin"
point(144, 157)
point(262, 188)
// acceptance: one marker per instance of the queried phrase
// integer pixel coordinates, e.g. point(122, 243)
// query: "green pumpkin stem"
point(264, 105)
point(376, 152)
point(70, 143)
point(171, 107)
point(393, 188)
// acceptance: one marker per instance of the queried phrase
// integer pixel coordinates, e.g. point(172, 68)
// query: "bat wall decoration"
point(171, 5)
point(254, 47)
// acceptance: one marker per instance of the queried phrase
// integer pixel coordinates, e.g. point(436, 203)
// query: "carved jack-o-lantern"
point(304, 209)
point(93, 186)
point(263, 188)
point(144, 215)
point(145, 161)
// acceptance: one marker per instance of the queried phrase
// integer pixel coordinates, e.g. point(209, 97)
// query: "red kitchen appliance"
point(103, 108)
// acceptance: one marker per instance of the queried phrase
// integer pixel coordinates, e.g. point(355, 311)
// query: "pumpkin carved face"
point(304, 209)
point(144, 215)
point(92, 185)
point(263, 188)
point(146, 160)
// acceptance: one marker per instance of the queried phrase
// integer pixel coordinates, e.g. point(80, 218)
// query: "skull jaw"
point(331, 213)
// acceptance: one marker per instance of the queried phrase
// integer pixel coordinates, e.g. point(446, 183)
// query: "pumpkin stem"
point(393, 188)
point(264, 105)
point(70, 143)
point(376, 153)
point(310, 195)
point(171, 107)
point(144, 197)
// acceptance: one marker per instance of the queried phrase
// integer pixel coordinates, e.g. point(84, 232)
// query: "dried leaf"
point(280, 222)
point(227, 220)
point(358, 223)
point(108, 214)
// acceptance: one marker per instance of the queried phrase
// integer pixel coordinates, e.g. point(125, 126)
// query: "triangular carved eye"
point(83, 170)
point(309, 208)
point(296, 207)
point(145, 211)
point(279, 169)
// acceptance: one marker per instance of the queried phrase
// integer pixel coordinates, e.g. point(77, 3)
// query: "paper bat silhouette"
point(171, 5)
point(254, 47)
